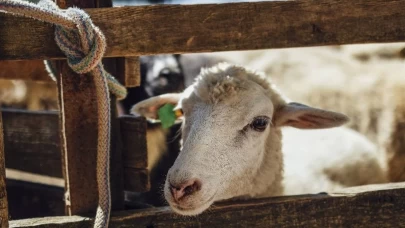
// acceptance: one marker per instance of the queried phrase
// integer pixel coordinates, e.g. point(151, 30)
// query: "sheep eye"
point(260, 123)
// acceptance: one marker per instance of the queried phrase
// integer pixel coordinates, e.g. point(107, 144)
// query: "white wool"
point(358, 80)
point(328, 159)
point(230, 162)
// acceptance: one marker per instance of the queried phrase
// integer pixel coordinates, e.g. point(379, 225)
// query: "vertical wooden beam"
point(79, 140)
point(3, 192)
point(78, 119)
point(130, 75)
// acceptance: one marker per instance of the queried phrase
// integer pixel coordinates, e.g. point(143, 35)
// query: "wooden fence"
point(144, 30)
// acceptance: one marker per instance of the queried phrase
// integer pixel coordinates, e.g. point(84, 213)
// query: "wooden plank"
point(32, 142)
point(132, 71)
point(136, 180)
point(32, 145)
point(372, 206)
point(146, 30)
point(34, 70)
point(79, 150)
point(78, 105)
point(19, 175)
point(395, 153)
point(133, 132)
point(25, 70)
point(3, 191)
point(52, 222)
point(30, 200)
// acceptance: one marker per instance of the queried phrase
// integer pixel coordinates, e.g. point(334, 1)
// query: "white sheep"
point(334, 77)
point(232, 142)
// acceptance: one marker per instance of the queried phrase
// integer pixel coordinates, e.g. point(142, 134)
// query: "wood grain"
point(132, 71)
point(25, 70)
point(32, 144)
point(136, 180)
point(29, 200)
point(78, 105)
point(79, 150)
point(145, 30)
point(133, 132)
point(3, 191)
point(372, 206)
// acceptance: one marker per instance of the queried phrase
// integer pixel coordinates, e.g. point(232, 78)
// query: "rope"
point(83, 44)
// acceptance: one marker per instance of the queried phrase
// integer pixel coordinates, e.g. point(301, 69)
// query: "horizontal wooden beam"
point(42, 200)
point(34, 70)
point(32, 144)
point(145, 30)
point(24, 70)
point(370, 206)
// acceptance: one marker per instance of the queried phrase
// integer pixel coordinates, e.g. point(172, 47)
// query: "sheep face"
point(221, 151)
point(231, 141)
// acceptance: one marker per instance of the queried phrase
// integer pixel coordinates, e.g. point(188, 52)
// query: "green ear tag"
point(167, 115)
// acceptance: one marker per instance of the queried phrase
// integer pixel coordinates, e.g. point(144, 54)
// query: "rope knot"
point(83, 44)
point(84, 58)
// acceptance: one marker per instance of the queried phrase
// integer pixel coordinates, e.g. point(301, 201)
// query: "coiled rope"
point(84, 45)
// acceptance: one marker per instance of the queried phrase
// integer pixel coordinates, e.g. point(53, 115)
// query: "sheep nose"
point(186, 188)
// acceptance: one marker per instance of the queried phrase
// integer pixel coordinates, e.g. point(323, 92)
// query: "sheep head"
point(231, 140)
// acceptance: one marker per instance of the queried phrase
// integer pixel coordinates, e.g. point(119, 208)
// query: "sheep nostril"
point(185, 189)
point(193, 187)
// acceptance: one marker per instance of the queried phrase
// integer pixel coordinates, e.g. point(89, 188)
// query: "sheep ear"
point(301, 116)
point(149, 107)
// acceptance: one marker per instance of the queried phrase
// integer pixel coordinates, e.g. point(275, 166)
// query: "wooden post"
point(130, 71)
point(78, 105)
point(3, 192)
point(79, 140)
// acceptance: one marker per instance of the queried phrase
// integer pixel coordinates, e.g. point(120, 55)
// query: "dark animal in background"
point(159, 74)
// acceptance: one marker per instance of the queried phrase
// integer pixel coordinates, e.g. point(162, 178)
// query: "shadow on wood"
point(367, 206)
point(30, 200)
point(32, 145)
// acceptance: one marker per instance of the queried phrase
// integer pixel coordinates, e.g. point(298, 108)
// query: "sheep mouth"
point(192, 210)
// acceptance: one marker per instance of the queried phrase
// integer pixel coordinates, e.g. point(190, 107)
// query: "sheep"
point(232, 141)
point(332, 77)
point(162, 74)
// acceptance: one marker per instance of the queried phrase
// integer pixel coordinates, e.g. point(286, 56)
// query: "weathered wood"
point(128, 72)
point(144, 30)
point(30, 200)
point(25, 70)
point(395, 146)
point(372, 206)
point(32, 142)
point(132, 71)
point(32, 145)
point(79, 150)
point(133, 132)
point(51, 222)
point(3, 191)
point(136, 180)
point(19, 175)
point(78, 105)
